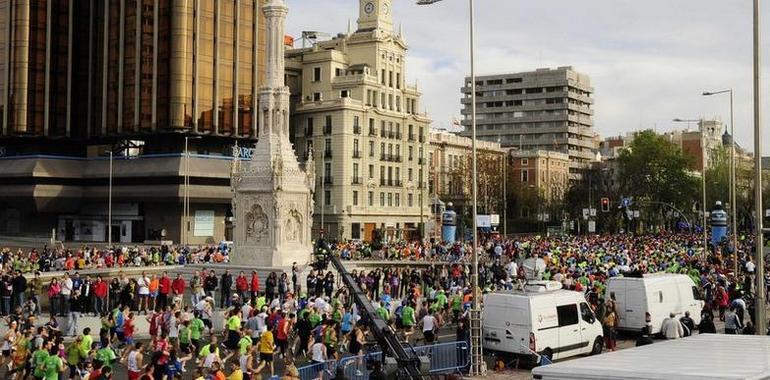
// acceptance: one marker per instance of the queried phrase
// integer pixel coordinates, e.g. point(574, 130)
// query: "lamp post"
point(702, 175)
point(422, 188)
point(186, 200)
point(761, 322)
point(109, 205)
point(733, 206)
point(477, 362)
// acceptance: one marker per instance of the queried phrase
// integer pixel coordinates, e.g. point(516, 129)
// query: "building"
point(710, 133)
point(450, 168)
point(361, 121)
point(82, 78)
point(539, 179)
point(546, 109)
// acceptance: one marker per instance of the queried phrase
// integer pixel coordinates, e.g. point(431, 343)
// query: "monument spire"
point(273, 195)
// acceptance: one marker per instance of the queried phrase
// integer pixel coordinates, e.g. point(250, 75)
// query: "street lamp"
point(702, 175)
point(733, 206)
point(477, 363)
point(109, 205)
point(186, 200)
point(758, 240)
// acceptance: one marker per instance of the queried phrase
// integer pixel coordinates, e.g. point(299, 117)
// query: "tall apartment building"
point(79, 78)
point(545, 109)
point(539, 178)
point(361, 121)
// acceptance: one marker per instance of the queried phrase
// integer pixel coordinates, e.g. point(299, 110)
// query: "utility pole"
point(759, 245)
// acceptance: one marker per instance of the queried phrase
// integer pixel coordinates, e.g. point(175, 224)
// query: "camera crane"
point(409, 364)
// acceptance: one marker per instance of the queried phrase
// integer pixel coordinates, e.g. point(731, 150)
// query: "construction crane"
point(402, 361)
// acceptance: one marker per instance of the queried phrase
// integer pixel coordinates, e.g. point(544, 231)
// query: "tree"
point(655, 169)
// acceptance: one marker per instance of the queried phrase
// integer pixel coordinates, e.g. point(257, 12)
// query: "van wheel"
point(548, 353)
point(598, 346)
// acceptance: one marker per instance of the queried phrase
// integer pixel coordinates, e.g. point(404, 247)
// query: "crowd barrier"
point(448, 357)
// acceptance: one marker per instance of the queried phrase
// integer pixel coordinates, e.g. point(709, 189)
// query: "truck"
point(699, 357)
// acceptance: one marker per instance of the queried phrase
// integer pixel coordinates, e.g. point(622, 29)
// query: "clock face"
point(369, 8)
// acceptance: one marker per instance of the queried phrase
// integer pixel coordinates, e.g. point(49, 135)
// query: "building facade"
point(356, 115)
point(82, 78)
point(450, 168)
point(542, 175)
point(546, 109)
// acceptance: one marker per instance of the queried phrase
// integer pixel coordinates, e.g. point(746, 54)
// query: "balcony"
point(357, 154)
point(383, 133)
point(422, 138)
point(328, 154)
point(308, 131)
point(372, 132)
point(420, 161)
point(328, 180)
point(357, 129)
point(357, 180)
point(398, 135)
point(390, 182)
point(327, 129)
point(411, 137)
point(391, 134)
point(395, 158)
point(384, 157)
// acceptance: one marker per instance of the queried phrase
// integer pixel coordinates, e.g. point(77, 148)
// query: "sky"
point(649, 60)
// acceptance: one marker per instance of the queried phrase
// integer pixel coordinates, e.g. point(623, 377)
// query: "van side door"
point(570, 338)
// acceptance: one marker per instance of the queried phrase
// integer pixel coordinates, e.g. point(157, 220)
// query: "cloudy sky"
point(649, 60)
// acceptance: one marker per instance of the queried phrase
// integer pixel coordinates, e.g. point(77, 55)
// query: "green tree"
point(654, 169)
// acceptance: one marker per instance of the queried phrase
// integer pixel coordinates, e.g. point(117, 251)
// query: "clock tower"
point(375, 14)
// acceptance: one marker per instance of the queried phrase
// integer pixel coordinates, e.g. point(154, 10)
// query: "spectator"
point(671, 328)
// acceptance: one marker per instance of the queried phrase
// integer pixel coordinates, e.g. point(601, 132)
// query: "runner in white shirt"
point(429, 325)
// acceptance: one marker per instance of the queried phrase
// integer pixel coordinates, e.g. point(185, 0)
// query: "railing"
point(327, 129)
point(328, 180)
point(357, 180)
point(372, 132)
point(391, 134)
point(396, 158)
point(445, 358)
point(398, 136)
point(356, 154)
point(411, 137)
point(422, 138)
point(328, 154)
point(357, 129)
point(383, 133)
point(308, 131)
point(420, 161)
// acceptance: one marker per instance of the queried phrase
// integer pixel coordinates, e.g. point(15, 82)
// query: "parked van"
point(658, 294)
point(541, 319)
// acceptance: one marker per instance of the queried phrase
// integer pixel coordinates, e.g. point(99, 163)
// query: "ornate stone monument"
point(273, 196)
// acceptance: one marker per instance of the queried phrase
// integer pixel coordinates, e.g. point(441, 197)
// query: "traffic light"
point(605, 205)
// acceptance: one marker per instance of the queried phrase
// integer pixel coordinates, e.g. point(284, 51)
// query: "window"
point(316, 74)
point(390, 79)
point(524, 162)
point(309, 129)
point(409, 200)
point(371, 198)
point(383, 77)
point(586, 313)
point(345, 94)
point(327, 198)
point(337, 71)
point(660, 296)
point(371, 171)
point(398, 80)
point(328, 147)
point(355, 147)
point(398, 200)
point(410, 152)
point(327, 171)
point(355, 231)
point(398, 173)
point(355, 171)
point(355, 198)
point(390, 199)
point(371, 148)
point(567, 315)
point(525, 176)
point(382, 199)
point(316, 96)
point(409, 174)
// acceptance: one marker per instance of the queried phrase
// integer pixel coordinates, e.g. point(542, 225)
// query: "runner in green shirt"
point(196, 327)
point(87, 340)
point(106, 356)
point(53, 365)
point(245, 343)
point(39, 358)
point(383, 313)
point(407, 316)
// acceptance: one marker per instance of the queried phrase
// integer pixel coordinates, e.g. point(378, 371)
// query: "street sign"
point(483, 221)
point(495, 219)
point(546, 217)
point(636, 213)
point(591, 226)
point(585, 213)
point(593, 212)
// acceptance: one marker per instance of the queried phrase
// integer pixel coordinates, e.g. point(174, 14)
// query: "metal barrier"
point(319, 371)
point(444, 358)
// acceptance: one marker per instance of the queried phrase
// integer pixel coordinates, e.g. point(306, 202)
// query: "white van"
point(554, 323)
point(658, 294)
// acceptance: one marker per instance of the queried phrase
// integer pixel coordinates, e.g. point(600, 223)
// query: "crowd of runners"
point(305, 315)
